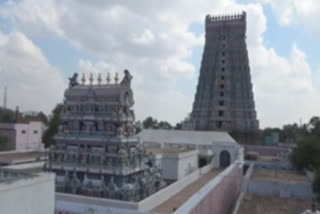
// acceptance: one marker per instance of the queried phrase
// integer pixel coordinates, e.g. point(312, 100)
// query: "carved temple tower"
point(95, 152)
point(224, 97)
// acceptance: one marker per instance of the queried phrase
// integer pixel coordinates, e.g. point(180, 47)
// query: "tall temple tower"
point(95, 151)
point(224, 98)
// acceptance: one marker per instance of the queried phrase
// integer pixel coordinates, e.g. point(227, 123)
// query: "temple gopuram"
point(95, 153)
point(224, 99)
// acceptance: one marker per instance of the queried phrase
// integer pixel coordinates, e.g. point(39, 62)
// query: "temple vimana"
point(95, 153)
point(224, 97)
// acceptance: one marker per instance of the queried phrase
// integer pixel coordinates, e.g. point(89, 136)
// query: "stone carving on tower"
point(95, 151)
point(224, 98)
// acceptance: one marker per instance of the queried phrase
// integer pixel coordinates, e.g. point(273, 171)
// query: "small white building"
point(29, 136)
point(26, 193)
point(217, 148)
point(24, 136)
point(175, 163)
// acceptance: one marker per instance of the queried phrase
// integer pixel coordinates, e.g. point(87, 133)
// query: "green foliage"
point(53, 126)
point(6, 116)
point(316, 184)
point(306, 154)
point(3, 143)
point(152, 123)
point(178, 126)
point(43, 118)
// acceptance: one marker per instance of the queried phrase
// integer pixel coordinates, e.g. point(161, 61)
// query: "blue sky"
point(162, 45)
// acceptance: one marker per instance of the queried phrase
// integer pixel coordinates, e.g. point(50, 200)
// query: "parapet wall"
point(283, 190)
point(166, 193)
point(145, 205)
point(218, 196)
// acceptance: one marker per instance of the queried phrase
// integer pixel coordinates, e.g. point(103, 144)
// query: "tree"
point(165, 125)
point(306, 154)
point(53, 126)
point(43, 118)
point(289, 133)
point(178, 126)
point(3, 143)
point(150, 122)
point(316, 184)
point(138, 126)
point(7, 115)
point(314, 126)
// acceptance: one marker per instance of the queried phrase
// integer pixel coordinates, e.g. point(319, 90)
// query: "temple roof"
point(187, 137)
point(99, 90)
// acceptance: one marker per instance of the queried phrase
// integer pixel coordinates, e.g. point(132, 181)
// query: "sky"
point(43, 42)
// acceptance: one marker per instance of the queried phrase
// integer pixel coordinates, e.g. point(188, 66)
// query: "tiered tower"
point(95, 152)
point(224, 98)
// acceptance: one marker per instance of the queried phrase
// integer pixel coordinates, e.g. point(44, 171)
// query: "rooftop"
point(278, 175)
point(17, 157)
point(168, 150)
point(255, 204)
point(181, 197)
point(9, 175)
point(187, 137)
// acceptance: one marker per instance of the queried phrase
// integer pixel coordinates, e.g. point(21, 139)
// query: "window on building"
point(222, 86)
point(221, 94)
point(23, 131)
point(221, 103)
point(222, 77)
point(219, 124)
point(223, 46)
point(222, 69)
point(223, 61)
point(220, 113)
point(223, 37)
point(35, 131)
point(223, 54)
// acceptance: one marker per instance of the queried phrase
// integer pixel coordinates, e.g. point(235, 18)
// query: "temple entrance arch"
point(224, 159)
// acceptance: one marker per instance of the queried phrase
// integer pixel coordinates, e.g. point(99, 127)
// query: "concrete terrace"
point(255, 204)
point(181, 197)
point(279, 175)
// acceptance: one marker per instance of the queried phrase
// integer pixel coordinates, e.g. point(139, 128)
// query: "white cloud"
point(33, 84)
point(303, 14)
point(145, 38)
point(152, 39)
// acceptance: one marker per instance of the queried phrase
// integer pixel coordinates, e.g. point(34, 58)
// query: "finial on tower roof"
point(99, 78)
point(116, 78)
point(83, 79)
point(108, 78)
point(91, 78)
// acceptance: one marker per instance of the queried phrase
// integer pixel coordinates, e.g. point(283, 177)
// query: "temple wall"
point(218, 196)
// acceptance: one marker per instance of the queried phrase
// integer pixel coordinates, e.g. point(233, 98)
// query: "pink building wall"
point(218, 196)
point(29, 136)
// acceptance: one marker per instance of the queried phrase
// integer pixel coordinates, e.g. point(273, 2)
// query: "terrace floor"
point(181, 197)
point(279, 175)
point(255, 204)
